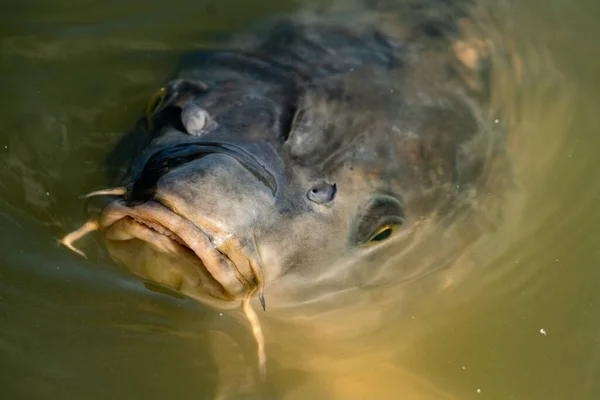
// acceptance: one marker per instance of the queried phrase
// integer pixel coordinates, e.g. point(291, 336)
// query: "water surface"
point(522, 323)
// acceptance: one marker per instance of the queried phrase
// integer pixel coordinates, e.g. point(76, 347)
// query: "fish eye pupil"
point(381, 236)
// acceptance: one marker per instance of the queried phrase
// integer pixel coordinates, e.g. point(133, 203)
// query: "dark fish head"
point(256, 181)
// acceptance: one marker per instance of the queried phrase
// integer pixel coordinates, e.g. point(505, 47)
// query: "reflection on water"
point(76, 74)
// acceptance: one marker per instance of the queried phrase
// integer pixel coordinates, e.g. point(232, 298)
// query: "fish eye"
point(156, 101)
point(383, 234)
point(298, 115)
point(378, 220)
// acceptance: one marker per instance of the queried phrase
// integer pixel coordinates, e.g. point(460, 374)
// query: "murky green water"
point(74, 74)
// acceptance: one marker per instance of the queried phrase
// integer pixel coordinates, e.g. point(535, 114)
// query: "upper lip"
point(161, 161)
point(226, 260)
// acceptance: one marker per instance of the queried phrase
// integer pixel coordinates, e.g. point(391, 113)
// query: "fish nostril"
point(322, 193)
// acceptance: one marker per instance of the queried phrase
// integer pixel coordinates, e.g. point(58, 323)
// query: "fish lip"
point(234, 281)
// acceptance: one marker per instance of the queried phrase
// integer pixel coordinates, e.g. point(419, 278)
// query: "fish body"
point(314, 169)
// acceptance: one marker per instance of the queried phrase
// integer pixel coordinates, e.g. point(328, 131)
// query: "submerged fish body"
point(316, 167)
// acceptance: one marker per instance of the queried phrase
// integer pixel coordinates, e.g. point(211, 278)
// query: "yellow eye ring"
point(382, 234)
point(156, 102)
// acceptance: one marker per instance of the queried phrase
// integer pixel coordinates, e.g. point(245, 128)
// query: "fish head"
point(257, 183)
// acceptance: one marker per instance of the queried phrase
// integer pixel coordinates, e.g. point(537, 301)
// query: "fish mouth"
point(225, 270)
